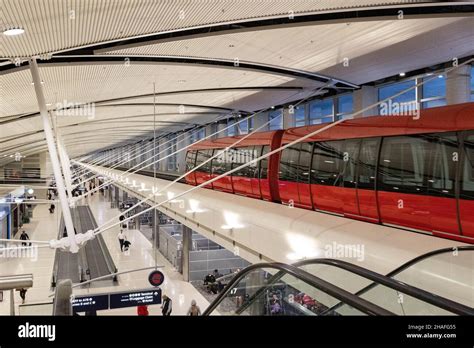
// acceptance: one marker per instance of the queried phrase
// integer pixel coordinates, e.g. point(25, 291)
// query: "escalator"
point(329, 287)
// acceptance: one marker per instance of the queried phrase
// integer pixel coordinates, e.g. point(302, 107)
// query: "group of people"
point(166, 308)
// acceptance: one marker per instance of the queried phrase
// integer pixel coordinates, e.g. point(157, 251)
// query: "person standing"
point(24, 236)
point(121, 237)
point(166, 306)
point(22, 294)
point(194, 310)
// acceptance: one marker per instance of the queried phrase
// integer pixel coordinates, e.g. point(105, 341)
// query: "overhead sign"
point(134, 299)
point(90, 303)
point(156, 278)
point(114, 300)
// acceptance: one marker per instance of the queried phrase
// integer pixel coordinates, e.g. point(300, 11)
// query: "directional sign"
point(137, 298)
point(90, 303)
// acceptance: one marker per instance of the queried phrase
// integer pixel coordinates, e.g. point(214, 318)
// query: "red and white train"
point(408, 172)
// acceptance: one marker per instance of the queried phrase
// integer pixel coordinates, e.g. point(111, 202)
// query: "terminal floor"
point(141, 255)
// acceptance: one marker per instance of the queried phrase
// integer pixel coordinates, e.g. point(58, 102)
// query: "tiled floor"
point(141, 255)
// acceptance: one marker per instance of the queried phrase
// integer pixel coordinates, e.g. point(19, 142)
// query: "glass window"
point(327, 163)
point(219, 163)
point(190, 160)
point(433, 103)
point(289, 163)
point(467, 184)
point(242, 126)
point(406, 101)
point(345, 104)
point(304, 162)
point(231, 129)
point(472, 83)
point(243, 155)
point(349, 158)
point(403, 162)
point(367, 163)
point(276, 119)
point(434, 87)
point(202, 156)
point(300, 119)
point(321, 111)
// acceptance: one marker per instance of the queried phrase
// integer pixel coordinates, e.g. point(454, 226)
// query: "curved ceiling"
point(108, 55)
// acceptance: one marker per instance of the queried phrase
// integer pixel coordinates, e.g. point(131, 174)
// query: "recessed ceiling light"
point(440, 76)
point(402, 74)
point(13, 31)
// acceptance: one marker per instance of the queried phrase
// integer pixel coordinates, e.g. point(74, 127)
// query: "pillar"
point(186, 248)
point(211, 129)
point(220, 128)
point(288, 118)
point(364, 97)
point(182, 141)
point(458, 85)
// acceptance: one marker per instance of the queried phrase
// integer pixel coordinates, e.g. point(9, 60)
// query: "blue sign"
point(90, 303)
point(134, 299)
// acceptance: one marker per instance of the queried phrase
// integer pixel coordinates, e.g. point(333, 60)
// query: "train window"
point(367, 163)
point(350, 152)
point(219, 165)
point(402, 165)
point(304, 162)
point(289, 163)
point(202, 156)
point(190, 160)
point(327, 163)
point(444, 154)
point(264, 163)
point(243, 155)
point(467, 183)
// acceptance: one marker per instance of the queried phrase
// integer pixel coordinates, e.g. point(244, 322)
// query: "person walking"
point(24, 236)
point(122, 238)
point(142, 310)
point(166, 306)
point(22, 294)
point(194, 310)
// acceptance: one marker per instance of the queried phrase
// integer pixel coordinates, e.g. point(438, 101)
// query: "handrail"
point(377, 278)
point(359, 303)
point(412, 262)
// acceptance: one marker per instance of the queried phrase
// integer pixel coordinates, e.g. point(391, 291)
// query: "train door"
point(466, 186)
point(255, 180)
point(402, 182)
point(348, 192)
point(304, 167)
point(287, 174)
point(264, 182)
point(444, 159)
point(326, 179)
point(366, 175)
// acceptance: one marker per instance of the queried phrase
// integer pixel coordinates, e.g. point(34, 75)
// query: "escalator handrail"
point(377, 278)
point(342, 295)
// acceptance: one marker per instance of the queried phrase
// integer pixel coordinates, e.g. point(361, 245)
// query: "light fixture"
point(30, 191)
point(440, 76)
point(402, 74)
point(13, 31)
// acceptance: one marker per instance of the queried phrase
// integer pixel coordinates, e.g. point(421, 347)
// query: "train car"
point(410, 172)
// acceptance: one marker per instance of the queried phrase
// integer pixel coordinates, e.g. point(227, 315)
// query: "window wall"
point(276, 119)
point(321, 111)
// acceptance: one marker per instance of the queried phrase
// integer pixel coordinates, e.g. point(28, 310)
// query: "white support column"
point(54, 155)
point(64, 161)
point(458, 85)
point(222, 133)
point(364, 97)
point(288, 118)
point(183, 141)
